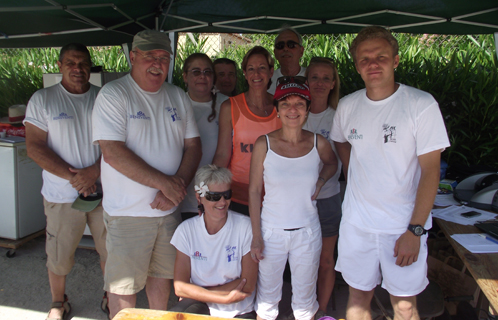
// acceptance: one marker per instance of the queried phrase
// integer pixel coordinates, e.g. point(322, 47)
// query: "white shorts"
point(367, 258)
point(302, 247)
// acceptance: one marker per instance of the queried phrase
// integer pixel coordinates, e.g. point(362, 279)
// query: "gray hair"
point(287, 27)
point(212, 174)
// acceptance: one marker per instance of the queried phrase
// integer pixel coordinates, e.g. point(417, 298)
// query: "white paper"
point(476, 242)
point(444, 200)
point(453, 214)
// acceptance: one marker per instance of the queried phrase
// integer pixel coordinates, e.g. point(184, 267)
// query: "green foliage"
point(21, 70)
point(459, 71)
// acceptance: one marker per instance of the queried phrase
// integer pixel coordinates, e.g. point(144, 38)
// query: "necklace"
point(255, 106)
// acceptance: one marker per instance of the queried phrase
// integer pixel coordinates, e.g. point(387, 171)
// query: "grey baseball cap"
point(148, 40)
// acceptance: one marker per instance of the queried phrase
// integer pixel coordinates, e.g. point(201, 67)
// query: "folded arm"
point(231, 292)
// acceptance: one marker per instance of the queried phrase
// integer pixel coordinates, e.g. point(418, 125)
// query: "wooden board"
point(482, 266)
point(146, 314)
point(14, 244)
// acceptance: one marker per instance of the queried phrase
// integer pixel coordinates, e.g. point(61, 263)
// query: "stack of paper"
point(476, 242)
point(454, 214)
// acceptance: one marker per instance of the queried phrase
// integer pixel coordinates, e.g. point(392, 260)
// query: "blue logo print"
point(63, 116)
point(173, 114)
point(231, 253)
point(140, 115)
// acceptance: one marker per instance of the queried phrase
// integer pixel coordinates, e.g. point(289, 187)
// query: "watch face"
point(419, 230)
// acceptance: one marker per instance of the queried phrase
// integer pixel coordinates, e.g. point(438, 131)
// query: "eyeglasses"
point(150, 59)
point(290, 44)
point(289, 79)
point(198, 72)
point(216, 196)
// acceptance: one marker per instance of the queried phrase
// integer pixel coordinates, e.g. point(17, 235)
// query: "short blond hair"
point(373, 32)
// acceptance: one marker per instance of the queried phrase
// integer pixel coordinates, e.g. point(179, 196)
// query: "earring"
point(278, 115)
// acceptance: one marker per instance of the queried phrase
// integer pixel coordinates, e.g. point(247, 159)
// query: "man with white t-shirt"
point(151, 149)
point(288, 50)
point(389, 137)
point(58, 138)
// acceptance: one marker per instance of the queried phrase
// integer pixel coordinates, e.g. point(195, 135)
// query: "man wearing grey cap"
point(151, 148)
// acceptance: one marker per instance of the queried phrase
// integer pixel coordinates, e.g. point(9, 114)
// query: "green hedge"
point(462, 76)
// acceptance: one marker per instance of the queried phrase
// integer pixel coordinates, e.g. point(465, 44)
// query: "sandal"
point(60, 304)
point(104, 305)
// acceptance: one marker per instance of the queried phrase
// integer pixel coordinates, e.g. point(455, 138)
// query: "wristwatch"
point(417, 229)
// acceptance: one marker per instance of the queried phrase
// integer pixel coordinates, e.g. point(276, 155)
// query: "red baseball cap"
point(291, 86)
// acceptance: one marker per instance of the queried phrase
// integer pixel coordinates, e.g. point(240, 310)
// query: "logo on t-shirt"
point(198, 256)
point(389, 133)
point(63, 116)
point(246, 148)
point(139, 115)
point(173, 114)
point(324, 133)
point(354, 135)
point(231, 253)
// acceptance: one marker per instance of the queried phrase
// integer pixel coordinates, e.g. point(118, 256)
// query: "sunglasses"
point(289, 79)
point(290, 44)
point(216, 196)
point(198, 72)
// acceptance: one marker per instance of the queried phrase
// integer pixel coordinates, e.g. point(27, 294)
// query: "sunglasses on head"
point(289, 79)
point(198, 72)
point(216, 196)
point(290, 44)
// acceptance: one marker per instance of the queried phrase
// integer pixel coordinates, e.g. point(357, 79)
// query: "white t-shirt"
point(67, 119)
point(216, 259)
point(154, 125)
point(277, 74)
point(321, 123)
point(209, 138)
point(386, 137)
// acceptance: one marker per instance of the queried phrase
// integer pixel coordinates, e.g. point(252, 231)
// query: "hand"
point(319, 184)
point(406, 249)
point(90, 190)
point(174, 189)
point(84, 178)
point(257, 247)
point(161, 202)
point(237, 294)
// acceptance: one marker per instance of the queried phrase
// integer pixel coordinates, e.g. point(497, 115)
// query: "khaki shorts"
point(139, 247)
point(65, 227)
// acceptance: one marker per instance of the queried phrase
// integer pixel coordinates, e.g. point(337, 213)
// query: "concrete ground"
point(25, 292)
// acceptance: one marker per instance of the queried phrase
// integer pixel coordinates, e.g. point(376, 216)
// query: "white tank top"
point(289, 184)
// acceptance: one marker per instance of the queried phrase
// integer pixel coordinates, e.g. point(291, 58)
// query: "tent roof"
point(42, 23)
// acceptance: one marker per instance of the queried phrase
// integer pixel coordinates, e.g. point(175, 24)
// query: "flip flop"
point(104, 305)
point(60, 304)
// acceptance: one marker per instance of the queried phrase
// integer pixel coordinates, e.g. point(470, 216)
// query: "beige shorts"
point(65, 227)
point(139, 247)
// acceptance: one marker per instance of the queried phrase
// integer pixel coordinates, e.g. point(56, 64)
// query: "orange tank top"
point(247, 127)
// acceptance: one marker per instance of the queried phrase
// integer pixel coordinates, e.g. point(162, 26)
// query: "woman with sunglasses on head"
point(324, 84)
point(199, 78)
point(214, 273)
point(243, 119)
point(286, 163)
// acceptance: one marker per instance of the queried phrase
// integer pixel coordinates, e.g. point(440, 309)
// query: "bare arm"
point(249, 273)
point(408, 245)
point(255, 191)
point(185, 289)
point(121, 158)
point(224, 148)
point(83, 179)
point(329, 161)
point(344, 152)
